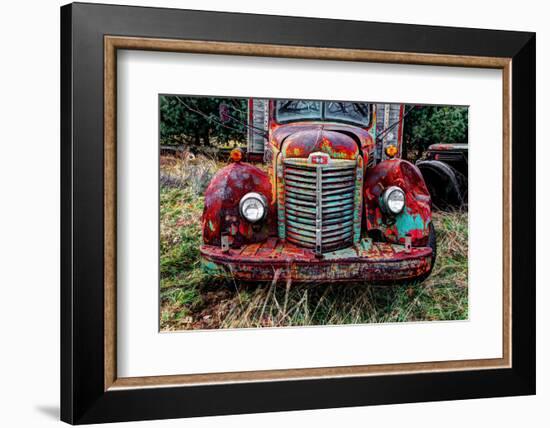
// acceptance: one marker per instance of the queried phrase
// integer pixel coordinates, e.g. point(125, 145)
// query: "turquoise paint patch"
point(344, 253)
point(406, 222)
point(366, 244)
point(211, 268)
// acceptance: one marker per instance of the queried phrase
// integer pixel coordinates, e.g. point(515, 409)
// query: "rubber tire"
point(447, 186)
point(432, 243)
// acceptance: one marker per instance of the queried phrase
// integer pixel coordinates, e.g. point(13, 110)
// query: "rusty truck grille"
point(320, 203)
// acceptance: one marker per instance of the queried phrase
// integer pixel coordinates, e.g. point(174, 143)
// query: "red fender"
point(221, 214)
point(416, 217)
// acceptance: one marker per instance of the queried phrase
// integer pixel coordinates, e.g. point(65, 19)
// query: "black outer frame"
point(83, 399)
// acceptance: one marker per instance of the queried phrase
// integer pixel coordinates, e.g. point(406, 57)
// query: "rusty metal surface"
point(320, 203)
point(304, 138)
point(368, 261)
point(317, 138)
point(415, 219)
point(221, 206)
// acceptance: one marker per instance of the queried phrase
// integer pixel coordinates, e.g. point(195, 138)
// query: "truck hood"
point(300, 140)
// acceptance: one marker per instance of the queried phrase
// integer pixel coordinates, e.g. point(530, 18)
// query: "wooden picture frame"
point(91, 390)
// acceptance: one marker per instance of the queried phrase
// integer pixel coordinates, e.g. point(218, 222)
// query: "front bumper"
point(366, 262)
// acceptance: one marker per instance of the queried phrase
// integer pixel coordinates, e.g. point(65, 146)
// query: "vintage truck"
point(332, 202)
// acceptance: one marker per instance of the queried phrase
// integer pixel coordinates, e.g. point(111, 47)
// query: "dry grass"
point(190, 299)
point(187, 171)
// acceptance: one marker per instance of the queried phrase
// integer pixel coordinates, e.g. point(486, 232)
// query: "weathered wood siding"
point(258, 116)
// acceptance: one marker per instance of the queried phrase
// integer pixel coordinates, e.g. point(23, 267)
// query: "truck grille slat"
point(292, 200)
point(298, 225)
point(329, 229)
point(301, 211)
point(299, 179)
point(301, 238)
point(339, 237)
point(329, 205)
point(300, 215)
point(338, 219)
point(306, 218)
point(337, 191)
point(339, 197)
point(302, 232)
point(302, 196)
point(301, 187)
point(336, 227)
point(302, 175)
point(341, 171)
point(343, 179)
point(340, 186)
point(328, 201)
point(319, 203)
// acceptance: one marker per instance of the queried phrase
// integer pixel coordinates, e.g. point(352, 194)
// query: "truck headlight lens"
point(393, 200)
point(253, 207)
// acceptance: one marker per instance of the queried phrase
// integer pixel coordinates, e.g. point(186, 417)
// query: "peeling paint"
point(415, 218)
point(221, 206)
point(349, 196)
point(372, 262)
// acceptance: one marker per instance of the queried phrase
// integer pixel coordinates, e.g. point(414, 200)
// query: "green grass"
point(191, 299)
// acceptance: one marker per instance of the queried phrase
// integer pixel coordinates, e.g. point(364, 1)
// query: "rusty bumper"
point(365, 262)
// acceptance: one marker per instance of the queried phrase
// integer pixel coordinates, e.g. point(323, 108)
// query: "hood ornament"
point(318, 158)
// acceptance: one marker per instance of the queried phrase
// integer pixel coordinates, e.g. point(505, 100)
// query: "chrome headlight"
point(253, 207)
point(393, 200)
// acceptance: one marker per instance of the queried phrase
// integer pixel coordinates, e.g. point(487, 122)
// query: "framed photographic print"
point(265, 213)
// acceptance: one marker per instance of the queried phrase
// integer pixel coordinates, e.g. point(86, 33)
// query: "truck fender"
point(415, 219)
point(444, 183)
point(221, 214)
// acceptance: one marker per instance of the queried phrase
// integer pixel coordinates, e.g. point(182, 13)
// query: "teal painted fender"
point(415, 219)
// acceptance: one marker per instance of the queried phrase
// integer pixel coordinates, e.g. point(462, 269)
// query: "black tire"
point(432, 243)
point(447, 186)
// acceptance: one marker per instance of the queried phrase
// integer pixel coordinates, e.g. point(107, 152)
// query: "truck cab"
point(332, 201)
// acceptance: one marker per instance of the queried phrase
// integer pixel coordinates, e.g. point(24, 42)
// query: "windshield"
point(297, 110)
point(292, 110)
